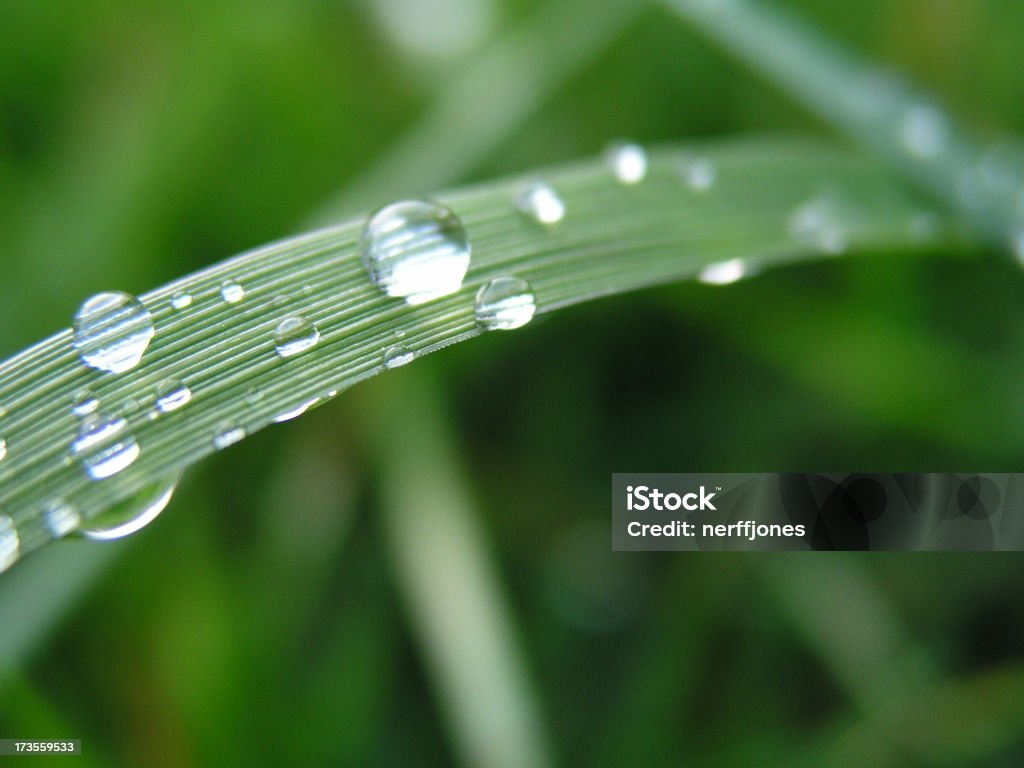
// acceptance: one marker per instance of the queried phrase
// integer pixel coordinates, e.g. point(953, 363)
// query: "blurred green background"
point(261, 620)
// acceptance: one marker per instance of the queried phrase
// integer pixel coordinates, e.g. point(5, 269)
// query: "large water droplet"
point(103, 446)
point(231, 291)
point(541, 203)
point(181, 300)
point(228, 433)
point(112, 331)
point(132, 514)
point(505, 303)
point(627, 161)
point(84, 402)
point(415, 250)
point(61, 518)
point(398, 355)
point(294, 413)
point(699, 173)
point(295, 335)
point(9, 543)
point(172, 394)
point(723, 272)
point(923, 131)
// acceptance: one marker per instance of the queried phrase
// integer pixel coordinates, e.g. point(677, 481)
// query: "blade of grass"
point(449, 582)
point(614, 238)
point(905, 127)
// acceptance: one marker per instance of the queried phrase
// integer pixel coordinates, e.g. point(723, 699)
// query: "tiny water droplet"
point(103, 446)
point(231, 291)
point(84, 402)
point(699, 173)
point(923, 131)
point(399, 334)
point(253, 395)
point(505, 303)
point(132, 514)
point(627, 161)
point(181, 300)
point(61, 518)
point(415, 250)
point(294, 335)
point(9, 543)
point(307, 290)
point(294, 413)
point(824, 223)
point(541, 203)
point(172, 394)
point(398, 355)
point(228, 433)
point(723, 272)
point(112, 331)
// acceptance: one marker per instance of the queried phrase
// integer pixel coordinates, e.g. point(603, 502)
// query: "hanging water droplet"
point(294, 413)
point(699, 173)
point(231, 291)
point(627, 161)
point(133, 514)
point(103, 446)
point(294, 335)
point(415, 250)
point(61, 518)
point(723, 272)
point(181, 300)
point(923, 131)
point(505, 303)
point(172, 394)
point(398, 355)
point(228, 433)
point(9, 543)
point(84, 402)
point(541, 203)
point(112, 331)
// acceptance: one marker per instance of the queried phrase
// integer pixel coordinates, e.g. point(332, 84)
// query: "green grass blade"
point(904, 126)
point(614, 238)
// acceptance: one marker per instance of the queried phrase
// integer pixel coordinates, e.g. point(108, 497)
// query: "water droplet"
point(699, 173)
point(228, 433)
point(415, 250)
point(923, 131)
point(112, 331)
point(824, 223)
point(3, 448)
point(172, 394)
point(132, 514)
point(181, 300)
point(398, 355)
point(307, 290)
point(253, 395)
point(399, 334)
point(84, 402)
point(9, 543)
point(103, 446)
point(294, 335)
point(505, 303)
point(627, 161)
point(723, 272)
point(541, 203)
point(294, 413)
point(61, 518)
point(231, 291)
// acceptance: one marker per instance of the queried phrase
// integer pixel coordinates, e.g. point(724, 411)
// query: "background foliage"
point(261, 613)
